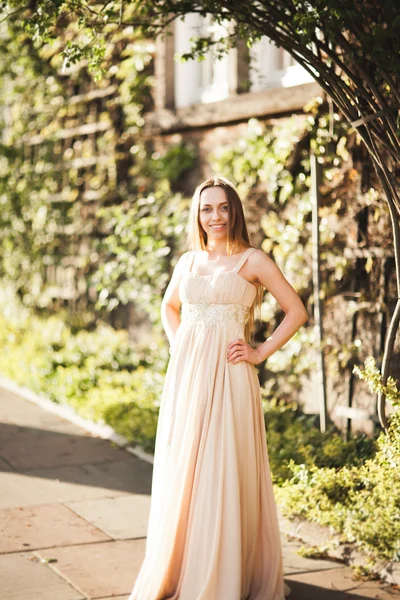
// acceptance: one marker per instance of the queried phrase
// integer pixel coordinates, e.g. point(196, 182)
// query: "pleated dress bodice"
point(217, 299)
point(226, 287)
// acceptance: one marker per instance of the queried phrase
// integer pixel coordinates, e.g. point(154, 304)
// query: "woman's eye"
point(206, 209)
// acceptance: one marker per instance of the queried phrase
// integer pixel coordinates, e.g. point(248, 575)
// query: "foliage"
point(90, 217)
point(360, 501)
point(377, 31)
point(373, 377)
point(26, 93)
point(132, 233)
point(352, 49)
point(389, 444)
point(151, 226)
point(270, 162)
point(97, 373)
point(294, 439)
point(317, 476)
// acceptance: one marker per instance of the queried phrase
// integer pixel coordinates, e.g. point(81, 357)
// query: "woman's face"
point(213, 212)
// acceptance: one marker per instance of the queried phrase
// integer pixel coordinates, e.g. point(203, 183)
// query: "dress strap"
point(239, 265)
point(191, 259)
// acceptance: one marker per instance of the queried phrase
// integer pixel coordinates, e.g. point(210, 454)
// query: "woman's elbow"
point(299, 315)
point(303, 316)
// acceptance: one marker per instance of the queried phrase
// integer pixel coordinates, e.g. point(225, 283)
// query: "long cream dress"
point(213, 528)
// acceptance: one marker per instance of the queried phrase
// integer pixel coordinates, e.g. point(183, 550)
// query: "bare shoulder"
point(185, 256)
point(259, 258)
point(183, 262)
point(262, 266)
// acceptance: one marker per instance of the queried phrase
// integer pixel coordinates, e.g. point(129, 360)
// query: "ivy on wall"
point(271, 165)
point(88, 218)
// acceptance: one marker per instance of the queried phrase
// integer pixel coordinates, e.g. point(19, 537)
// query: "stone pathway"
point(73, 516)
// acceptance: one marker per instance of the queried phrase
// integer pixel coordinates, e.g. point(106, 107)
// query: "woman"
point(213, 528)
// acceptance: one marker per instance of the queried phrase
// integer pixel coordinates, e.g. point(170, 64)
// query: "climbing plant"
point(271, 164)
point(88, 215)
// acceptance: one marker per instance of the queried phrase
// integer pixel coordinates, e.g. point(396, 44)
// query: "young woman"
point(213, 529)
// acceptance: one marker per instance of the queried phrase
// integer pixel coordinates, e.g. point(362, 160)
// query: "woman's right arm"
point(170, 305)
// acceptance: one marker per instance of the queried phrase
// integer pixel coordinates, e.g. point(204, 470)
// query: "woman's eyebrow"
point(226, 202)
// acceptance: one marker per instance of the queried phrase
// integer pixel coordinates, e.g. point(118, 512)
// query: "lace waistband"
point(214, 314)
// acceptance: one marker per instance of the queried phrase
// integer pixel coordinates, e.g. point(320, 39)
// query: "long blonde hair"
point(238, 238)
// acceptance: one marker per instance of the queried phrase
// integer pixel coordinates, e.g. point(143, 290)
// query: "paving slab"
point(124, 597)
point(336, 584)
point(97, 533)
point(24, 577)
point(121, 518)
point(304, 530)
point(115, 478)
point(74, 483)
point(99, 570)
point(20, 489)
point(32, 448)
point(315, 535)
point(294, 563)
point(44, 526)
point(17, 411)
point(5, 466)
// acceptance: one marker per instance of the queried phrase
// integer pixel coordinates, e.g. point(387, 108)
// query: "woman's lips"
point(218, 227)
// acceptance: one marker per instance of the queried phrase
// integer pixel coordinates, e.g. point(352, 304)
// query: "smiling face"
point(216, 218)
point(214, 212)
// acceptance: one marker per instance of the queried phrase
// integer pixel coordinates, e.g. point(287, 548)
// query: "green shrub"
point(97, 373)
point(361, 502)
point(294, 438)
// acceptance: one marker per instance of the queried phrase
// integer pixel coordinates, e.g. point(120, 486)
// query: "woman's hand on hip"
point(239, 350)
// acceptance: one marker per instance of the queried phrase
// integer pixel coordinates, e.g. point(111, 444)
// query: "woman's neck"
point(217, 249)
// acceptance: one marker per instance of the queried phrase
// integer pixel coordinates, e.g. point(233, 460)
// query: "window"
point(199, 81)
point(272, 67)
point(211, 80)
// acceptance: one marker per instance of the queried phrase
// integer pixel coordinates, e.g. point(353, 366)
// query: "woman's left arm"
point(262, 269)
